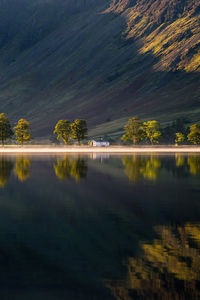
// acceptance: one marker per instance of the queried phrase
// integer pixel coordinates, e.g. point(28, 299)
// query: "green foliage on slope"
point(84, 59)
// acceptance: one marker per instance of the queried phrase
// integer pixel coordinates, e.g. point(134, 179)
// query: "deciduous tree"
point(134, 131)
point(63, 131)
point(179, 138)
point(5, 128)
point(79, 130)
point(22, 131)
point(152, 130)
point(194, 135)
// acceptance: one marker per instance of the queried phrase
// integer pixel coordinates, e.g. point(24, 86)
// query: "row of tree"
point(21, 130)
point(67, 131)
point(137, 131)
point(64, 130)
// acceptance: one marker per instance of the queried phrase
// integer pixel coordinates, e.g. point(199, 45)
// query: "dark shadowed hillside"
point(101, 60)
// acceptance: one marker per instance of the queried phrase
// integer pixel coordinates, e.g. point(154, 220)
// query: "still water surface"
point(100, 227)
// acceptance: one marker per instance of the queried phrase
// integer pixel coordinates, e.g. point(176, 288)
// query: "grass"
point(99, 66)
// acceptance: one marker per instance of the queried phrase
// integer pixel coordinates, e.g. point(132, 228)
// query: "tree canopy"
point(79, 130)
point(5, 128)
point(134, 131)
point(194, 135)
point(152, 131)
point(179, 138)
point(22, 131)
point(63, 131)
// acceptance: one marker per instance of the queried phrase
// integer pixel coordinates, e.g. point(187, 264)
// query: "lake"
point(100, 226)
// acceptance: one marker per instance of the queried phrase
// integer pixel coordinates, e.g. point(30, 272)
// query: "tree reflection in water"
point(167, 269)
point(180, 160)
point(71, 167)
point(6, 166)
point(194, 164)
point(136, 167)
point(62, 168)
point(79, 169)
point(22, 168)
point(140, 167)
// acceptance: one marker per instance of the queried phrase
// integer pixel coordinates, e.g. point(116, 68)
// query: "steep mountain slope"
point(169, 29)
point(99, 60)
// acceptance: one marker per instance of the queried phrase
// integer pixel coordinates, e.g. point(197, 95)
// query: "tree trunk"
point(134, 141)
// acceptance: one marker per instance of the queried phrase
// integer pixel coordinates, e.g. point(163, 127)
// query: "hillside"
point(101, 60)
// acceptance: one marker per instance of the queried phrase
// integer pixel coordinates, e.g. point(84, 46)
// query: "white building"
point(100, 143)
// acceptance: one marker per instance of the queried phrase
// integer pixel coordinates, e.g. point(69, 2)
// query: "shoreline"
point(86, 149)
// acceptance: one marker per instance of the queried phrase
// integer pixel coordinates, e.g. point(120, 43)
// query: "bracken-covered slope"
point(168, 29)
point(101, 60)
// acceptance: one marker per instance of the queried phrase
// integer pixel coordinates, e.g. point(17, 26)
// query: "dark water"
point(100, 227)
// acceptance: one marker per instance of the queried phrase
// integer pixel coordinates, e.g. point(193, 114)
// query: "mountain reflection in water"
point(100, 227)
point(168, 268)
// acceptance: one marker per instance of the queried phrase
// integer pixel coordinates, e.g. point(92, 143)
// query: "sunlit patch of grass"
point(194, 64)
point(173, 41)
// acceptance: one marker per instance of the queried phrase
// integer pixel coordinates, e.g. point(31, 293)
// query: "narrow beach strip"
point(86, 149)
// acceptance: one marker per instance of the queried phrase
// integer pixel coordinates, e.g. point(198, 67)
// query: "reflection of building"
point(99, 143)
point(100, 156)
point(167, 269)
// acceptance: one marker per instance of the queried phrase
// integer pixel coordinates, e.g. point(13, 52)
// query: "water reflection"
point(139, 167)
point(63, 168)
point(167, 269)
point(71, 167)
point(143, 239)
point(148, 167)
point(136, 167)
point(194, 164)
point(180, 160)
point(6, 167)
point(22, 168)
